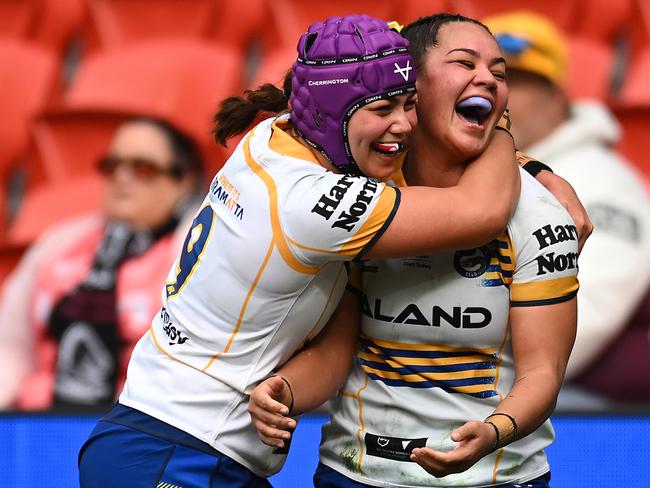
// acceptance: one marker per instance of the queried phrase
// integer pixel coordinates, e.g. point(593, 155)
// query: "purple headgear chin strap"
point(344, 64)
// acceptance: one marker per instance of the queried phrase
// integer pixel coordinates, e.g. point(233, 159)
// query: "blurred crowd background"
point(105, 149)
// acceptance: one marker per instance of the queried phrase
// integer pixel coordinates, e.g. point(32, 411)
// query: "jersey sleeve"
point(545, 243)
point(331, 216)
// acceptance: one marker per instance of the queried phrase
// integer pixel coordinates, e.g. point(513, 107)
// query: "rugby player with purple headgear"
point(263, 266)
point(449, 365)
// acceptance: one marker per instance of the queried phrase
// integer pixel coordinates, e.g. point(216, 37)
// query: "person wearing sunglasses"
point(85, 291)
point(577, 138)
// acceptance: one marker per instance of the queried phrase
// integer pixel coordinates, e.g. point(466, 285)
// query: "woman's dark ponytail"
point(236, 114)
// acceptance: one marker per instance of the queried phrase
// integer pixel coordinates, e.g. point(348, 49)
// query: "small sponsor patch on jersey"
point(396, 448)
point(175, 335)
point(424, 262)
point(223, 191)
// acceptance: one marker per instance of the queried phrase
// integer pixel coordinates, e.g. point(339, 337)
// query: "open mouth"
point(474, 110)
point(388, 148)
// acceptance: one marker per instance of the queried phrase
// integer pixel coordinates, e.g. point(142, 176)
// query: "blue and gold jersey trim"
point(544, 292)
point(493, 264)
point(454, 370)
point(500, 271)
point(502, 262)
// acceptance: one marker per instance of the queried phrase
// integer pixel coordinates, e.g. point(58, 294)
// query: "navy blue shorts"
point(326, 477)
point(131, 449)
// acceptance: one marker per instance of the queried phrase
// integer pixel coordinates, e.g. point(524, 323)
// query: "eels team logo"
point(472, 262)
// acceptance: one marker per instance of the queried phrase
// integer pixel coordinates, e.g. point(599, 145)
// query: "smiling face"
point(378, 134)
point(461, 89)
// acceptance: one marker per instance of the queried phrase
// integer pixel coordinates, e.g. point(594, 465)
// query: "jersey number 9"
point(193, 248)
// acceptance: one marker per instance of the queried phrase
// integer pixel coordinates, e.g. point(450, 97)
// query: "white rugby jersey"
point(435, 350)
point(261, 271)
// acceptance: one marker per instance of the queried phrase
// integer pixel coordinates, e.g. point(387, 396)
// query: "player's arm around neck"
point(566, 195)
point(460, 217)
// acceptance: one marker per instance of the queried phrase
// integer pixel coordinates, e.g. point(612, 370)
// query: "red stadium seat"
point(3, 212)
point(70, 143)
point(288, 19)
point(28, 78)
point(114, 23)
point(27, 82)
point(639, 29)
point(50, 203)
point(603, 20)
point(10, 254)
point(273, 66)
point(16, 18)
point(50, 23)
point(562, 13)
point(119, 22)
point(635, 144)
point(636, 84)
point(590, 68)
point(239, 23)
point(180, 81)
point(410, 10)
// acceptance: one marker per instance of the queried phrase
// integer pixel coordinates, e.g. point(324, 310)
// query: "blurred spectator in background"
point(575, 139)
point(85, 292)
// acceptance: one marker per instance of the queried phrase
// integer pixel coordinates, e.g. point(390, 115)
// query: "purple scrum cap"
point(344, 64)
